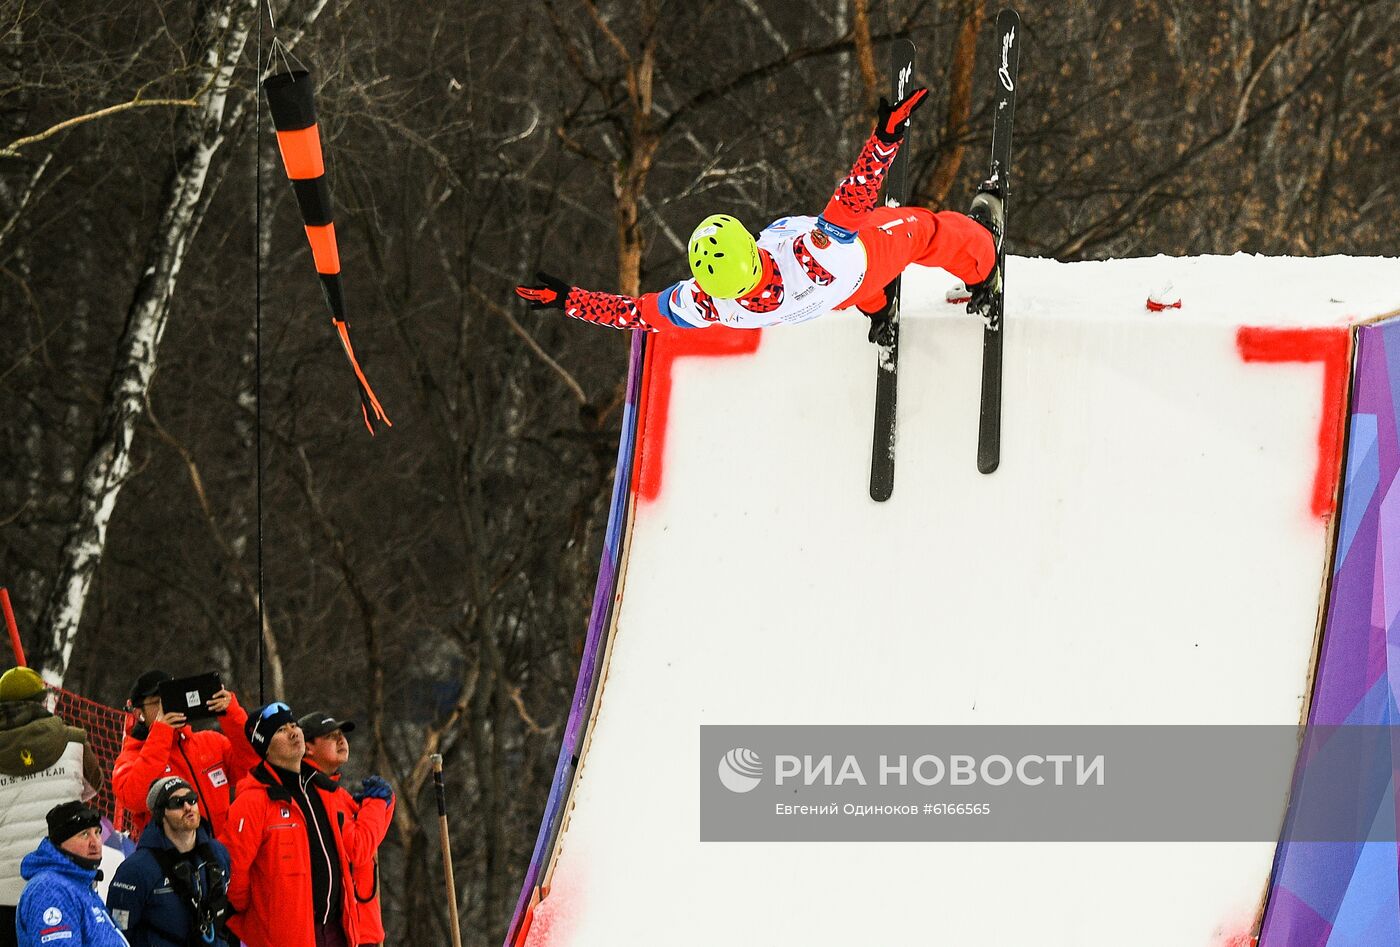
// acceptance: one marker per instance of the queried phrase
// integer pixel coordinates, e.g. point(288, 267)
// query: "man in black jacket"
point(172, 892)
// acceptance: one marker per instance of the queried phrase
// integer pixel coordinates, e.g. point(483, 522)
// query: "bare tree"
point(219, 38)
point(434, 582)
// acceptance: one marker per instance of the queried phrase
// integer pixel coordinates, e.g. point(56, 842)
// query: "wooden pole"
point(453, 922)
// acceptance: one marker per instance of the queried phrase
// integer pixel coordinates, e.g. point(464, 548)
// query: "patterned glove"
point(893, 118)
point(550, 294)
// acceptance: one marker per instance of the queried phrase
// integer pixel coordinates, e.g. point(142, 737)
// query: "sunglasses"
point(274, 708)
point(179, 802)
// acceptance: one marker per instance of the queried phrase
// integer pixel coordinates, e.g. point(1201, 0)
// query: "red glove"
point(549, 295)
point(894, 118)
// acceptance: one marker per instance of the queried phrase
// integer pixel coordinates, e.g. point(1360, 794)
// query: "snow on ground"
point(1147, 553)
point(1240, 289)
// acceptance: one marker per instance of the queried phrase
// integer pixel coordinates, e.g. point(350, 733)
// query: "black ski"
point(1009, 55)
point(887, 357)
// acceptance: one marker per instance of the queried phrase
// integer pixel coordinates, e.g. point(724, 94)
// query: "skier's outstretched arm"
point(856, 194)
point(652, 312)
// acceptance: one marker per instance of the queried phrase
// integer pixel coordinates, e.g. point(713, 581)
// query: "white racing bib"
point(815, 274)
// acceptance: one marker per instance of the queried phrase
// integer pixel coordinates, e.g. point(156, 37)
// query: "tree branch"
point(12, 149)
point(250, 588)
point(933, 191)
point(792, 57)
point(865, 53)
point(25, 196)
point(569, 381)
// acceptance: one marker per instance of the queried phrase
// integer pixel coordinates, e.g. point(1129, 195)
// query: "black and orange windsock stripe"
point(291, 100)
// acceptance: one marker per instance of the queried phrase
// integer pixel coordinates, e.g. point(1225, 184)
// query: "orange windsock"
point(291, 100)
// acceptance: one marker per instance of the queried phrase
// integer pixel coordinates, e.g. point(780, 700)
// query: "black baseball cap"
point(320, 723)
point(147, 685)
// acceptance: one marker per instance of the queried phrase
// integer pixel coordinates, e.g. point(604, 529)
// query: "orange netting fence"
point(105, 726)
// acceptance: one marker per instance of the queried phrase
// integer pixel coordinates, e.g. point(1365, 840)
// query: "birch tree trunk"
point(223, 30)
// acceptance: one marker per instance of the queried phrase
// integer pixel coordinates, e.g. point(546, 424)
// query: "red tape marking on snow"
point(1332, 347)
point(655, 407)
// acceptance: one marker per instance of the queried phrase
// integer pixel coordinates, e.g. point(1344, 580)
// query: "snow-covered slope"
point(1152, 550)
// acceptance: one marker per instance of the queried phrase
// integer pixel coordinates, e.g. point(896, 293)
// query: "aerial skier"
point(799, 268)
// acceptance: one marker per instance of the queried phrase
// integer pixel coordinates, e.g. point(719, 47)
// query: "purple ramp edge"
point(1313, 884)
point(599, 621)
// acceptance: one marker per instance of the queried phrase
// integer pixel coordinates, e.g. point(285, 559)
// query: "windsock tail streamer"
point(291, 100)
point(369, 404)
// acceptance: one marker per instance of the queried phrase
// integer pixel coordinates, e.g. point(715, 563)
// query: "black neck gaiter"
point(325, 857)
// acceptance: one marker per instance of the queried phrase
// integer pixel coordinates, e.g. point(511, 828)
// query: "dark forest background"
point(433, 582)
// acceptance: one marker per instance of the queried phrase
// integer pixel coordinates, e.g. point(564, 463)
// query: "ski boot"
point(987, 210)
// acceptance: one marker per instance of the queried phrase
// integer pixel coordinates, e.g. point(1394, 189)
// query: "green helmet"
point(724, 257)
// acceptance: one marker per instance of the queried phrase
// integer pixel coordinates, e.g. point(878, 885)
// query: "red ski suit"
point(210, 761)
point(365, 876)
point(892, 238)
point(895, 237)
point(270, 873)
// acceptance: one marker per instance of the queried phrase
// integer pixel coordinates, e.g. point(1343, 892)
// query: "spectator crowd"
point(245, 833)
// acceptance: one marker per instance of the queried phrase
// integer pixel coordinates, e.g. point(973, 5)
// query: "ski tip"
point(882, 482)
point(987, 465)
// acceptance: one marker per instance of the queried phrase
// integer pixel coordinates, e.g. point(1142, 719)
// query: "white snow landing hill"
point(1155, 549)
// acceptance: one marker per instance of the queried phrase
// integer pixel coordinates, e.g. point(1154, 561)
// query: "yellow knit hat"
point(20, 684)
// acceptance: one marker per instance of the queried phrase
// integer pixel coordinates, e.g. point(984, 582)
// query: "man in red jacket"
point(161, 744)
point(292, 838)
point(327, 749)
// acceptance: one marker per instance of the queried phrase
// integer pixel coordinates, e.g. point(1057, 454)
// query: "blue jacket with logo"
point(141, 900)
point(60, 906)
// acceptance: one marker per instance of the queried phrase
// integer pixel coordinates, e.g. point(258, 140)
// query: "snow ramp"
point(1162, 544)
